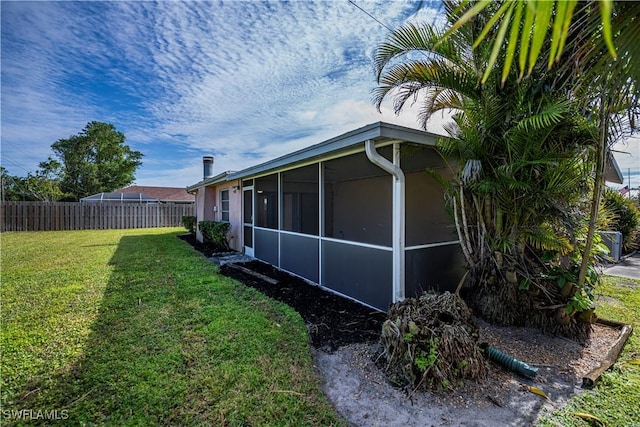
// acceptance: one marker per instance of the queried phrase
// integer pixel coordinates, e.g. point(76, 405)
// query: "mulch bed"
point(332, 321)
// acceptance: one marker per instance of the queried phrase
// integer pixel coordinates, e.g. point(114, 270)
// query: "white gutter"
point(398, 218)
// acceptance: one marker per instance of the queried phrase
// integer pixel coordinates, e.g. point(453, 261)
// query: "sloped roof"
point(164, 194)
point(379, 131)
point(222, 177)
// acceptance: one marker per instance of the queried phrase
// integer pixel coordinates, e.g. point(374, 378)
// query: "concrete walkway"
point(629, 268)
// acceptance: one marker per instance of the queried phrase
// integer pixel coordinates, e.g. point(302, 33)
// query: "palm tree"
point(594, 44)
point(521, 151)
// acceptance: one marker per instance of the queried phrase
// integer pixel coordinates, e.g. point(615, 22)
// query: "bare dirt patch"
point(361, 394)
point(345, 345)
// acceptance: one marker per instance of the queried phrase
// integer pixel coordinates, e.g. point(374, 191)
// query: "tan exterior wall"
point(208, 197)
point(235, 212)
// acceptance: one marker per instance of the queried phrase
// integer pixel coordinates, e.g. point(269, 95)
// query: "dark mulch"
point(332, 321)
point(207, 249)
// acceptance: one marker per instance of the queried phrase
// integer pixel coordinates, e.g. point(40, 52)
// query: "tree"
point(34, 187)
point(584, 39)
point(625, 218)
point(522, 151)
point(93, 161)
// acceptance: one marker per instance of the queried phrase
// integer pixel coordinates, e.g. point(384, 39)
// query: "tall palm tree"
point(594, 44)
point(520, 149)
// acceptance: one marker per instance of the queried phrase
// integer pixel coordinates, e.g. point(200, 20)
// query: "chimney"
point(207, 166)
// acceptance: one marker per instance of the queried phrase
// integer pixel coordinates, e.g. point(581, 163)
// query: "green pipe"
point(508, 361)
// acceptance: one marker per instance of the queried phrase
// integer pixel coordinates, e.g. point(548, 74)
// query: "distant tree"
point(33, 187)
point(95, 160)
point(625, 218)
point(10, 189)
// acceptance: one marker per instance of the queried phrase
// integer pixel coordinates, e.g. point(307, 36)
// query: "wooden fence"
point(42, 216)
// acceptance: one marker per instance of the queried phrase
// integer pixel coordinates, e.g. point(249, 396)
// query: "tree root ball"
point(431, 343)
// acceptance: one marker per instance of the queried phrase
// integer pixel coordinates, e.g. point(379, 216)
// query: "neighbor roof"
point(120, 197)
point(164, 194)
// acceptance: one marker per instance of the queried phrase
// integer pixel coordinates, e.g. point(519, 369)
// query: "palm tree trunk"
point(597, 187)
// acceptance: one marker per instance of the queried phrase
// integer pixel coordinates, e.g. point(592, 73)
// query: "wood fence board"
point(41, 216)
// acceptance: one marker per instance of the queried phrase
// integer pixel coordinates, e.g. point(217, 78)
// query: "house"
point(163, 194)
point(117, 197)
point(356, 214)
point(143, 194)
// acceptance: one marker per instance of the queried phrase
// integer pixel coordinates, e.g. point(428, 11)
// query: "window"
point(266, 208)
point(300, 200)
point(224, 205)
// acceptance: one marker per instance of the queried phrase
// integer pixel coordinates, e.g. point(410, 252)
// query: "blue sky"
point(245, 81)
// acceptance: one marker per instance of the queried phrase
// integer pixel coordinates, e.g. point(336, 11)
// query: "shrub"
point(625, 218)
point(189, 222)
point(216, 233)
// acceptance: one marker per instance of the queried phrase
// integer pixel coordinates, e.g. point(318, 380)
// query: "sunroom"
point(357, 214)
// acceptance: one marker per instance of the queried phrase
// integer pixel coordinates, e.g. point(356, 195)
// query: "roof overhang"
point(612, 172)
point(209, 181)
point(379, 131)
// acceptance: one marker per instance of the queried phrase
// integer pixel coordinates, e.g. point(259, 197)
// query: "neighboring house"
point(143, 194)
point(116, 197)
point(356, 214)
point(163, 194)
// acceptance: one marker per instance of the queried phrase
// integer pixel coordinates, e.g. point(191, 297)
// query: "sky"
point(244, 81)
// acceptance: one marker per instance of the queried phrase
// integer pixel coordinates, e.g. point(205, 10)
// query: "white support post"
point(398, 217)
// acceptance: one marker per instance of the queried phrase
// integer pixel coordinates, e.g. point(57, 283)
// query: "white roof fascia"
point(209, 181)
point(374, 131)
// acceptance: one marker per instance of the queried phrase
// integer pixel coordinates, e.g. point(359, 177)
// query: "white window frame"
point(222, 210)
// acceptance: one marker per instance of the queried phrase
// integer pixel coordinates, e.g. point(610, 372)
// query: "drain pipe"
point(398, 218)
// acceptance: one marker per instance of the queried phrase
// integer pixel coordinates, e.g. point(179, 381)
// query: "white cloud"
point(245, 81)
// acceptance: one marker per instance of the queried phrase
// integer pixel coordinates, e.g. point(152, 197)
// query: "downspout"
point(398, 219)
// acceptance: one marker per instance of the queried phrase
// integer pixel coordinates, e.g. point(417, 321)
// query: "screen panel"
point(360, 272)
point(300, 255)
point(438, 268)
point(266, 246)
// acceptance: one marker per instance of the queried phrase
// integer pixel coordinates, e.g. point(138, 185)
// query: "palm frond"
point(545, 238)
point(551, 115)
point(528, 30)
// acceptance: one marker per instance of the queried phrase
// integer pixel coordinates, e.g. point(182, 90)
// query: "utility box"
point(613, 240)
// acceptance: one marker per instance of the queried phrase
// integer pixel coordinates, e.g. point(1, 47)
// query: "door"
point(247, 220)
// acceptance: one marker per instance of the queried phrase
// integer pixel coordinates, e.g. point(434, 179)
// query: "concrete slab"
point(230, 258)
point(629, 268)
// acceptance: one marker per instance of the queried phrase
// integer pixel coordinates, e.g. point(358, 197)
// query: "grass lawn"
point(134, 327)
point(615, 399)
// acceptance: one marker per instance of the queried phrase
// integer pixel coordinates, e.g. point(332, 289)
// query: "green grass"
point(133, 327)
point(615, 399)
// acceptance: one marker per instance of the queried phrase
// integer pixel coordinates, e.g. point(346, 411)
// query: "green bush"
point(216, 233)
point(189, 222)
point(625, 218)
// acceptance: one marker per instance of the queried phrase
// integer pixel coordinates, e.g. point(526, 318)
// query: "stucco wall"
point(208, 197)
point(235, 212)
